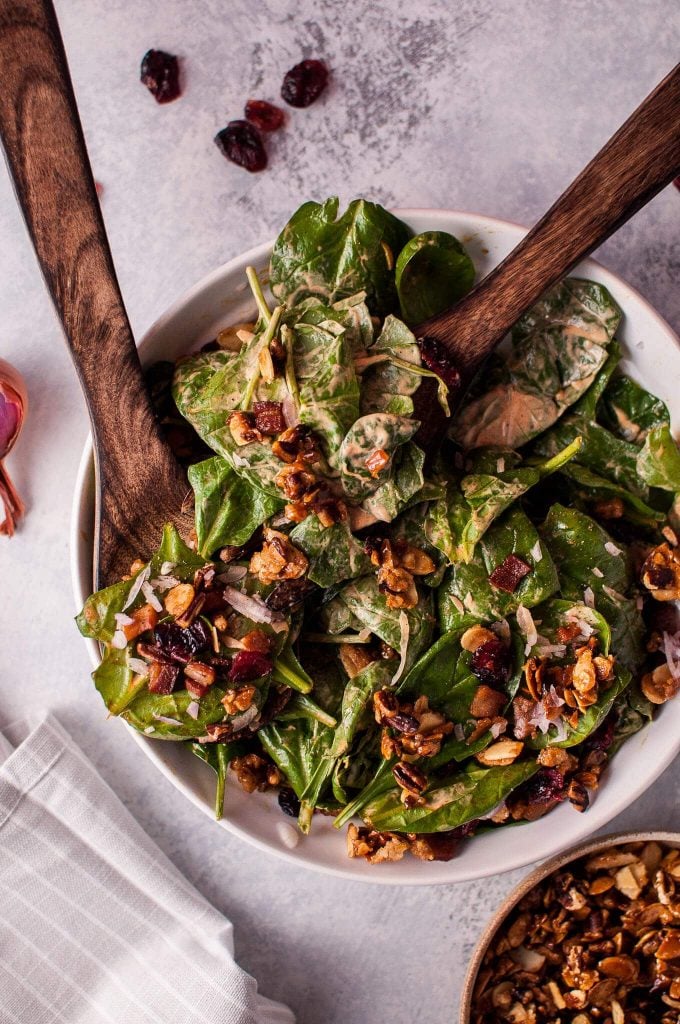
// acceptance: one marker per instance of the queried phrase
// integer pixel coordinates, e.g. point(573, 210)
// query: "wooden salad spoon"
point(139, 483)
point(637, 162)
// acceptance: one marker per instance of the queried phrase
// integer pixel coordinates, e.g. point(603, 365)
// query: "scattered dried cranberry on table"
point(160, 74)
point(304, 83)
point(241, 143)
point(265, 116)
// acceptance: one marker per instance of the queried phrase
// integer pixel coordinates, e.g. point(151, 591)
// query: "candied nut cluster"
point(410, 731)
point(278, 559)
point(298, 448)
point(243, 429)
point(297, 444)
point(378, 847)
point(255, 773)
point(552, 690)
point(398, 562)
point(661, 573)
point(597, 942)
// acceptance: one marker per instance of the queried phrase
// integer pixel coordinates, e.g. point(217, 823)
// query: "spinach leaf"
point(298, 748)
point(97, 619)
point(228, 508)
point(443, 675)
point(466, 589)
point(579, 545)
point(601, 451)
point(334, 553)
point(557, 350)
point(457, 522)
point(355, 702)
point(219, 756)
point(590, 488)
point(328, 389)
point(630, 411)
point(378, 431)
point(464, 796)
point(658, 462)
point(633, 712)
point(385, 386)
point(433, 271)
point(321, 254)
point(116, 682)
point(166, 717)
point(369, 609)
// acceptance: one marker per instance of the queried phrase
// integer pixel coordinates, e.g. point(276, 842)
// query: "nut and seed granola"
point(597, 942)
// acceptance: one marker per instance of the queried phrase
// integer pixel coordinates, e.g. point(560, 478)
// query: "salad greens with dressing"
point(430, 647)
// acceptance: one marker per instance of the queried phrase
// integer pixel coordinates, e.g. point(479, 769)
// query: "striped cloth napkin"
point(96, 925)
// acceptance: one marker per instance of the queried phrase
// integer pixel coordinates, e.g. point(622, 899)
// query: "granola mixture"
point(420, 648)
point(597, 942)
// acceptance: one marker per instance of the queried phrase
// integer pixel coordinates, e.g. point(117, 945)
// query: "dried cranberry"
point(181, 644)
point(248, 665)
point(289, 595)
point(269, 417)
point(603, 737)
point(160, 74)
point(289, 803)
point(509, 574)
point(241, 143)
point(546, 784)
point(304, 83)
point(491, 663)
point(263, 115)
point(437, 359)
point(676, 182)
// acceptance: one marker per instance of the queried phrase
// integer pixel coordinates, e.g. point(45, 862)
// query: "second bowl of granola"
point(590, 936)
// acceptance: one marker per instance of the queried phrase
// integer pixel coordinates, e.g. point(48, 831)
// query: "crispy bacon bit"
point(377, 461)
point(162, 677)
point(509, 574)
point(269, 417)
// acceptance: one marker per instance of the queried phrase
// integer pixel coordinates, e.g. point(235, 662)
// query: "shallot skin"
point(13, 409)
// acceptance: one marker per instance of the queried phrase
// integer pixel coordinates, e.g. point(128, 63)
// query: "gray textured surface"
point(489, 106)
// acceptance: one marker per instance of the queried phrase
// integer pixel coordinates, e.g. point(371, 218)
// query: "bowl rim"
point(534, 878)
point(83, 476)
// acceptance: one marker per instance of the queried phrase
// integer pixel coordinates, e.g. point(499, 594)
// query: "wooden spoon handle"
point(48, 162)
point(636, 163)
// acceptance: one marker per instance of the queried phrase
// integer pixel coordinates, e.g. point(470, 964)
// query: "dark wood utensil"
point(140, 485)
point(637, 162)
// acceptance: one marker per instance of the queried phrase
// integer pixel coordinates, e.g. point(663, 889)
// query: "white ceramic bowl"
point(651, 355)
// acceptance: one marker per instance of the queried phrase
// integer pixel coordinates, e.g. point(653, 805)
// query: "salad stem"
point(380, 783)
point(258, 294)
point(286, 674)
point(269, 333)
point(222, 764)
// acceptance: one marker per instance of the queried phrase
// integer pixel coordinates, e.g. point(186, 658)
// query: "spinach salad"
point(424, 648)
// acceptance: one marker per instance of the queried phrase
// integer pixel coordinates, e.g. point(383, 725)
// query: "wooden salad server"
point(637, 162)
point(139, 483)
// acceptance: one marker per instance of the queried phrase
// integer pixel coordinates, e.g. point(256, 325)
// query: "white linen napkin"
point(96, 925)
